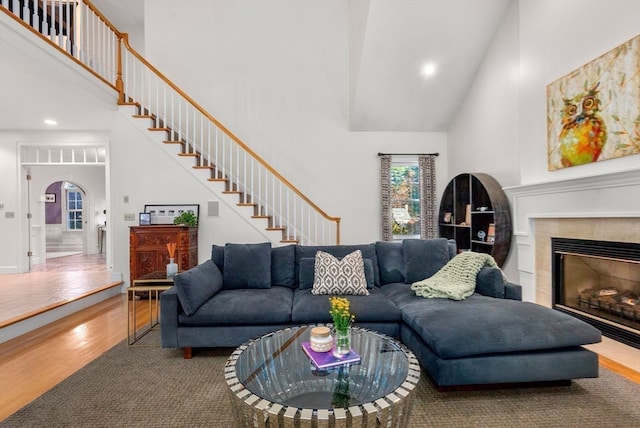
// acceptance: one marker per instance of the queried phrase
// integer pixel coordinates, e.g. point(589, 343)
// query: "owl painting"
point(593, 112)
point(583, 131)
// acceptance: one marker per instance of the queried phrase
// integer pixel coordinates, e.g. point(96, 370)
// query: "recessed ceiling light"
point(50, 122)
point(428, 69)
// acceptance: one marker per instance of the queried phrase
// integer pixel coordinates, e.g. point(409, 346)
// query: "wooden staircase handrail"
point(65, 53)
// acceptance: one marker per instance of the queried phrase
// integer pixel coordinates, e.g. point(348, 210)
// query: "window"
point(405, 199)
point(408, 196)
point(73, 206)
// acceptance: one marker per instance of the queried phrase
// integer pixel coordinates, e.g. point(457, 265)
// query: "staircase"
point(231, 191)
point(235, 173)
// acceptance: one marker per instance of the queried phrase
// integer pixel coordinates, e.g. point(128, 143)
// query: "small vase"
point(342, 342)
point(172, 269)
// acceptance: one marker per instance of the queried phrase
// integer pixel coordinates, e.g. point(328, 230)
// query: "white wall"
point(575, 32)
point(277, 75)
point(484, 135)
point(501, 127)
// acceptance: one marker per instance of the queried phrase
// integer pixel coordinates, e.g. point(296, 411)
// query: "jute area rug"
point(153, 387)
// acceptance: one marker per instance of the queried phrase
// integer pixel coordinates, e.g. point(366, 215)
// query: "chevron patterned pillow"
point(333, 276)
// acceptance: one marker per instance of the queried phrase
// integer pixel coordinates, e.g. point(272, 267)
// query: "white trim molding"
point(612, 195)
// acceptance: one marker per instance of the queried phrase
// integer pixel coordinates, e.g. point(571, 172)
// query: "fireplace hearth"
point(599, 282)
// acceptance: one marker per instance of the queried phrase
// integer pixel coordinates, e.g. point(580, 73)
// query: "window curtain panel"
point(428, 208)
point(385, 197)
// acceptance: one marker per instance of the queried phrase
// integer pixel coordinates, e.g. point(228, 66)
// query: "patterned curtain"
point(428, 208)
point(385, 197)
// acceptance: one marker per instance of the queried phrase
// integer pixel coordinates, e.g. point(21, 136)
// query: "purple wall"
point(53, 210)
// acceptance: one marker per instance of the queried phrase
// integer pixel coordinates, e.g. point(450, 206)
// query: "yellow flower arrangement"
point(340, 313)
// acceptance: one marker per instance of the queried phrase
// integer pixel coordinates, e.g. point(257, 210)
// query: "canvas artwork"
point(593, 113)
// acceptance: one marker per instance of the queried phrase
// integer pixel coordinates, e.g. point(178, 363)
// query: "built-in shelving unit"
point(474, 211)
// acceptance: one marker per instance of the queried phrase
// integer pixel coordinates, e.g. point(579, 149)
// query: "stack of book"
point(325, 360)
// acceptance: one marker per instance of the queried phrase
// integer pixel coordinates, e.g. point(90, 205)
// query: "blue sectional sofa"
point(489, 338)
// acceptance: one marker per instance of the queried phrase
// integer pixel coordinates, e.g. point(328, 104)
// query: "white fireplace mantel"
point(601, 196)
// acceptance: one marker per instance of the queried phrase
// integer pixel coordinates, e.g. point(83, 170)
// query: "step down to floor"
point(18, 326)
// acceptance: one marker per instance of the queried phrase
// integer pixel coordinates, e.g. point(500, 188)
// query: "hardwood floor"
point(35, 362)
point(53, 283)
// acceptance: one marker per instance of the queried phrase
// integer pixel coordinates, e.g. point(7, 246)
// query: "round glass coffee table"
point(274, 383)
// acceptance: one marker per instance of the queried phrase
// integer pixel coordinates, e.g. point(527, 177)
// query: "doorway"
point(65, 231)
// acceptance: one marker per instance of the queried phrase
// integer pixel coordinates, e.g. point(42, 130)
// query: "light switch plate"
point(129, 217)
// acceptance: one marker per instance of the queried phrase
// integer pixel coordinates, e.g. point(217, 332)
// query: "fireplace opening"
point(599, 282)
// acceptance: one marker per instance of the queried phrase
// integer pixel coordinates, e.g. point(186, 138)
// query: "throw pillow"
point(333, 276)
point(424, 257)
point(247, 266)
point(368, 252)
point(197, 285)
point(307, 272)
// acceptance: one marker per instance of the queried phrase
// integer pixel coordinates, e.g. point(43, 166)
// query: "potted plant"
point(187, 218)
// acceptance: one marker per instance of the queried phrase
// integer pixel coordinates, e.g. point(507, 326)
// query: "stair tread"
point(144, 116)
point(159, 129)
point(197, 155)
point(203, 167)
point(173, 142)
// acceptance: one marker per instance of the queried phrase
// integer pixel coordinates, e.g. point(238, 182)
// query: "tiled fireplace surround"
point(604, 207)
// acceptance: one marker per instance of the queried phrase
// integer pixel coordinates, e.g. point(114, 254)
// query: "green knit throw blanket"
point(457, 279)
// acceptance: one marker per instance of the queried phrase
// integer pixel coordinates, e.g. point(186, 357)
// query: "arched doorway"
point(65, 228)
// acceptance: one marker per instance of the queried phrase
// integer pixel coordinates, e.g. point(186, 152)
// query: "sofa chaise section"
point(491, 337)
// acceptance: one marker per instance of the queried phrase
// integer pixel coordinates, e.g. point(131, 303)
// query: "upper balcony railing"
point(79, 30)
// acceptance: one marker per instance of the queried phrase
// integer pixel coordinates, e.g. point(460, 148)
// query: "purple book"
point(323, 360)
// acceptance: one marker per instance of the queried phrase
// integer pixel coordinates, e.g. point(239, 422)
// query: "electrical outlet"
point(129, 217)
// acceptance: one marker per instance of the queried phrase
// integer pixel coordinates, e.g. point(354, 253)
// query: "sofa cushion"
point(368, 252)
point(374, 308)
point(244, 307)
point(344, 276)
point(217, 255)
point(247, 266)
point(283, 264)
point(197, 285)
point(390, 261)
point(483, 325)
point(490, 282)
point(424, 257)
point(307, 272)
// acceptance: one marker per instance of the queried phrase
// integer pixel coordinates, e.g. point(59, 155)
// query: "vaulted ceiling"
point(390, 43)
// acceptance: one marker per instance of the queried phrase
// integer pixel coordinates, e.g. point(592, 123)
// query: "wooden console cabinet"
point(148, 248)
